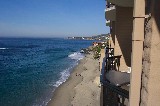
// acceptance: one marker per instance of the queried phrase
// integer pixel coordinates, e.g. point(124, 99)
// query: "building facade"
point(135, 35)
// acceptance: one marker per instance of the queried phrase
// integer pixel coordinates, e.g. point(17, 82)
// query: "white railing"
point(107, 21)
point(110, 8)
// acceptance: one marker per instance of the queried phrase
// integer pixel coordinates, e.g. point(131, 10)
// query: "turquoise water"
point(31, 69)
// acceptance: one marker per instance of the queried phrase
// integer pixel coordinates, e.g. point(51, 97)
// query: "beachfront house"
point(131, 72)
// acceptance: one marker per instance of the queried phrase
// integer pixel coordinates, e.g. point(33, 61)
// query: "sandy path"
point(88, 92)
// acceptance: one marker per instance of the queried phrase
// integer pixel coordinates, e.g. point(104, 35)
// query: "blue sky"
point(52, 18)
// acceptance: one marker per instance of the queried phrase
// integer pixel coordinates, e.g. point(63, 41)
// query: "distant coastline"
point(101, 37)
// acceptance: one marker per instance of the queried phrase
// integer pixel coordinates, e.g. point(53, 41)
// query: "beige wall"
point(150, 89)
point(123, 38)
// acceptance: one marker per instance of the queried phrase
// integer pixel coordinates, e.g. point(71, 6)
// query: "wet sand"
point(82, 87)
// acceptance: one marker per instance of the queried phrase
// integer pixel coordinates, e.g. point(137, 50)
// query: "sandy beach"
point(82, 87)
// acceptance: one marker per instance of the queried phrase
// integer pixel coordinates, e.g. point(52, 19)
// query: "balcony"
point(122, 3)
point(115, 84)
point(110, 13)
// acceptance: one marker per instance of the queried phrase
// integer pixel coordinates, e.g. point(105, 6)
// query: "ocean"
point(31, 69)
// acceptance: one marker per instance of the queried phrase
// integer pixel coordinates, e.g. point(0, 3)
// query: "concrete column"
point(137, 50)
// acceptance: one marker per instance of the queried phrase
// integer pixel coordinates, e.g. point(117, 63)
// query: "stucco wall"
point(146, 62)
point(150, 87)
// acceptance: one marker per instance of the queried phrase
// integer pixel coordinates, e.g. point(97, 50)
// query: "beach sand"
point(82, 87)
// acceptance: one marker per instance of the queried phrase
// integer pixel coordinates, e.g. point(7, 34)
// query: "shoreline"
point(81, 88)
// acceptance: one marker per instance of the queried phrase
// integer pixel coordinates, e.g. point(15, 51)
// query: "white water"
point(3, 48)
point(76, 56)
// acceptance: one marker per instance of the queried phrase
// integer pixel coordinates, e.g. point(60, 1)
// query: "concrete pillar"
point(137, 50)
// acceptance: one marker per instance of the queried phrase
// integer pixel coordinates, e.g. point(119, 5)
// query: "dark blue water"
point(31, 69)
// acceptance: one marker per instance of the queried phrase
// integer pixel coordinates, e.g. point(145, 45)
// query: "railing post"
point(104, 95)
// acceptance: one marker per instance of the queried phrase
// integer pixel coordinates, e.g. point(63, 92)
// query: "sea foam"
point(64, 76)
point(66, 73)
point(3, 48)
point(76, 56)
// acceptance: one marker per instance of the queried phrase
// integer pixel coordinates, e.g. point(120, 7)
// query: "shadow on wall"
point(113, 32)
point(157, 13)
point(124, 27)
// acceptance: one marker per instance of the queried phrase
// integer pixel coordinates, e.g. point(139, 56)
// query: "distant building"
point(101, 37)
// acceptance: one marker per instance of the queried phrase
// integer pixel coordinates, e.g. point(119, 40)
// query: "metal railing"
point(112, 62)
point(108, 5)
point(113, 95)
